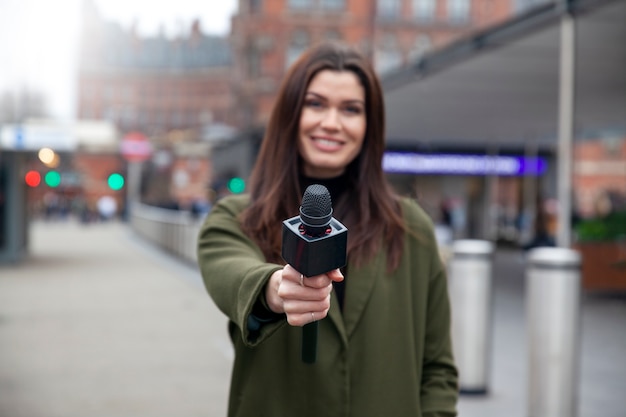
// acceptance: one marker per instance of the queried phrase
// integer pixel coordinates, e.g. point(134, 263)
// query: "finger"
point(291, 291)
point(301, 307)
point(323, 280)
point(318, 281)
point(291, 274)
point(335, 275)
point(302, 319)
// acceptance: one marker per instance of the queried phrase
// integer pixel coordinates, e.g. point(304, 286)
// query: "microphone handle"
point(309, 342)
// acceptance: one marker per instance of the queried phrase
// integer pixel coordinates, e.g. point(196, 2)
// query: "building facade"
point(268, 35)
point(155, 85)
point(600, 176)
point(176, 91)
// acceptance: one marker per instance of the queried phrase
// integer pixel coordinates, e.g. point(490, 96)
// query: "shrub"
point(608, 228)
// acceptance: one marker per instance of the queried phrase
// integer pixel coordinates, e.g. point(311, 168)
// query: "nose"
point(331, 120)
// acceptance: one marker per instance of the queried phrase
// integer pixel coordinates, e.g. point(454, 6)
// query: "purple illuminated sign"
point(458, 164)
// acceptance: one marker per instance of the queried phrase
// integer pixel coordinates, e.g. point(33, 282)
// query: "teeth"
point(327, 142)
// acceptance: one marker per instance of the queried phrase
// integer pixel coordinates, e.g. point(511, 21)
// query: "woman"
point(384, 349)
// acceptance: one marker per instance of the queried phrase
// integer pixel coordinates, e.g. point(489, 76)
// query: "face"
point(332, 123)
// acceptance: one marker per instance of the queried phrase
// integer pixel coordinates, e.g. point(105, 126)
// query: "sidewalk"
point(99, 323)
point(603, 348)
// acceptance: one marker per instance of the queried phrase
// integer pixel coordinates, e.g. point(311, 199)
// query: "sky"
point(39, 38)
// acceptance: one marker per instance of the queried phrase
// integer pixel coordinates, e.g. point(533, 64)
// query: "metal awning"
point(500, 88)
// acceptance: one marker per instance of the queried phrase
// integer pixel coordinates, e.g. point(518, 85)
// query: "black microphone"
point(314, 243)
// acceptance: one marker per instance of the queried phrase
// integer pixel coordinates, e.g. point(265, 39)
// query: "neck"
point(336, 185)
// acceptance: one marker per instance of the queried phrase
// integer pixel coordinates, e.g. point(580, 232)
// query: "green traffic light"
point(115, 181)
point(236, 185)
point(52, 179)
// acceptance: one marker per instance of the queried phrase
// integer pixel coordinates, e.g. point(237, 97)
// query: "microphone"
point(314, 243)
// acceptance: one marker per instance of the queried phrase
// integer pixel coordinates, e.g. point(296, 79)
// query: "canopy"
point(500, 88)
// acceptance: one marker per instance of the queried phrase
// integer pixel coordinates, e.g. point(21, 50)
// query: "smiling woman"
point(383, 319)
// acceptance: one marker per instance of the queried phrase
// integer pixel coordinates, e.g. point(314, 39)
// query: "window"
point(332, 35)
point(458, 11)
point(177, 118)
point(299, 42)
point(253, 57)
point(524, 5)
point(424, 10)
point(388, 8)
point(333, 4)
point(300, 4)
point(254, 6)
point(328, 5)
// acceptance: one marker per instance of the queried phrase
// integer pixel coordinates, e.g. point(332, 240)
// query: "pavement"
point(98, 322)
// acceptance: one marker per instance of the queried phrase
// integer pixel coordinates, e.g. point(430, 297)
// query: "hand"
point(303, 300)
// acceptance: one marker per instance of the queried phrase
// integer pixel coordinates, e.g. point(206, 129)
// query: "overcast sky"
point(39, 38)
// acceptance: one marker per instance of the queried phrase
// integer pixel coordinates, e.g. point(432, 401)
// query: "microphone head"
point(316, 210)
point(316, 201)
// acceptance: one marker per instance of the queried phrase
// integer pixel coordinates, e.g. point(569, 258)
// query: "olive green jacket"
point(387, 354)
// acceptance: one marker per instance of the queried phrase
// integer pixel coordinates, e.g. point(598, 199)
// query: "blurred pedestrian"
point(384, 320)
point(107, 207)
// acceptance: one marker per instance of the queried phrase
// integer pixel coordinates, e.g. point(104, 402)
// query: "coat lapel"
point(335, 316)
point(359, 287)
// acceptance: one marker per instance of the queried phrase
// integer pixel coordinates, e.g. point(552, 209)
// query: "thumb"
point(335, 275)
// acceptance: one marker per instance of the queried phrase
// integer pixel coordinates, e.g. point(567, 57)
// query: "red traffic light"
point(32, 178)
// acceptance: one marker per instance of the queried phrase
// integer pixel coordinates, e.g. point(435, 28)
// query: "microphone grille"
point(316, 201)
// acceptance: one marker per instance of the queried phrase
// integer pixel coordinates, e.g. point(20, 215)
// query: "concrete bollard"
point(553, 314)
point(470, 276)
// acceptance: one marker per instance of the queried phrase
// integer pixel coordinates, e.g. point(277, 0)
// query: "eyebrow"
point(352, 100)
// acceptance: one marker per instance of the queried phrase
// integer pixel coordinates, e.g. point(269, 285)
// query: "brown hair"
point(369, 208)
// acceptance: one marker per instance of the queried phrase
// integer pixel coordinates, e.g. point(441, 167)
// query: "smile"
point(325, 142)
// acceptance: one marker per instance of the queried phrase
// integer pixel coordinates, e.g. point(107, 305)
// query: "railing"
point(174, 231)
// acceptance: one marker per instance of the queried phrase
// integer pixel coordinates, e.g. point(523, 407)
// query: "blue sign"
point(459, 164)
point(19, 137)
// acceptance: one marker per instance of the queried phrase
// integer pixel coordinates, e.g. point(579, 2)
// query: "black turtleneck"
point(336, 187)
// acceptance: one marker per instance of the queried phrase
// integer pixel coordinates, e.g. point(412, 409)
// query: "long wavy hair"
point(369, 207)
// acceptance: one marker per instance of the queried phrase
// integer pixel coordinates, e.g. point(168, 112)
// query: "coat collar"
point(359, 288)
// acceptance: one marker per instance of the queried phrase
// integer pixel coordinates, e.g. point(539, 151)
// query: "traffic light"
point(32, 178)
point(52, 179)
point(115, 181)
point(236, 185)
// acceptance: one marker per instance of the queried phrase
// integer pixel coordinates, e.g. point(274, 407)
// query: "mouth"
point(327, 143)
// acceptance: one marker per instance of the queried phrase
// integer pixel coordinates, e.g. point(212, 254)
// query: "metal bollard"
point(553, 313)
point(471, 298)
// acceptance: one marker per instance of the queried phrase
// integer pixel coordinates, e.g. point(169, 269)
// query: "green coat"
point(388, 354)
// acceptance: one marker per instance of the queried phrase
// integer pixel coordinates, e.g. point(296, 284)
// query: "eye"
point(313, 103)
point(353, 109)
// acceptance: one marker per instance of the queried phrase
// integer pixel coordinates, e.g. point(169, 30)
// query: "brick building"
point(269, 35)
point(155, 85)
point(600, 176)
point(172, 89)
point(175, 91)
